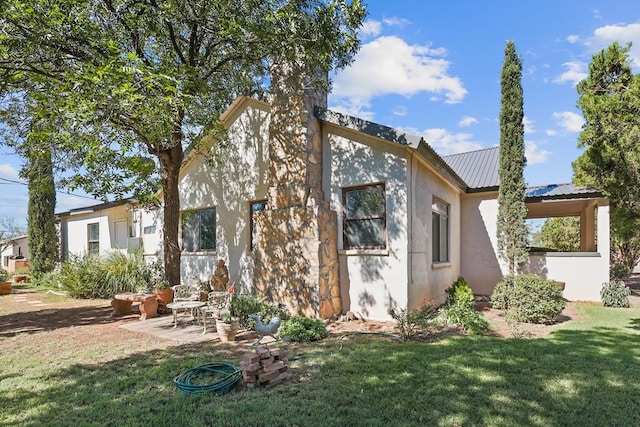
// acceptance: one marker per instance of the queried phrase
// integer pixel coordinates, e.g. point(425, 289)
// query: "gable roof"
point(394, 136)
point(560, 191)
point(479, 169)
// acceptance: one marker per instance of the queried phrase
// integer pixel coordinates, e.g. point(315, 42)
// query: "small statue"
point(220, 277)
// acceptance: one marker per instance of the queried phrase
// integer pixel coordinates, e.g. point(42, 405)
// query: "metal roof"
point(479, 169)
point(560, 191)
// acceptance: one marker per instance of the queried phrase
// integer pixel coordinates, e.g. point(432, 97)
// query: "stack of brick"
point(265, 367)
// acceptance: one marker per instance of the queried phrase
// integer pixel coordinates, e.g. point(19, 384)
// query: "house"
point(15, 254)
point(328, 213)
point(102, 228)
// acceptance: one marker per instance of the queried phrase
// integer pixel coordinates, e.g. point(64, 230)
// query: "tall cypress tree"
point(512, 211)
point(41, 226)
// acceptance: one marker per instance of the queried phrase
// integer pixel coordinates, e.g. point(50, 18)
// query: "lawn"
point(586, 372)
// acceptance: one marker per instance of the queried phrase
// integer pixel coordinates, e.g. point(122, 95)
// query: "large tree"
point(610, 103)
point(41, 224)
point(512, 211)
point(134, 83)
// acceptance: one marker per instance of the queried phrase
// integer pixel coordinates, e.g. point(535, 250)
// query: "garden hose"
point(230, 376)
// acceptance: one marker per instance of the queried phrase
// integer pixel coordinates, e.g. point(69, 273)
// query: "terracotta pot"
point(5, 288)
point(164, 296)
point(227, 331)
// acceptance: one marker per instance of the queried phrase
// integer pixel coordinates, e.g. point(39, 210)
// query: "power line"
point(11, 181)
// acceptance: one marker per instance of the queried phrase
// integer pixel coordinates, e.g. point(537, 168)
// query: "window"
point(93, 238)
point(199, 230)
point(440, 231)
point(150, 229)
point(256, 206)
point(365, 217)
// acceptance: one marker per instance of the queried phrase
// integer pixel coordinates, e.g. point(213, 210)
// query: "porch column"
point(587, 228)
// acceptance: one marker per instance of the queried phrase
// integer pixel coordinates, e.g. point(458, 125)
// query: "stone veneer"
point(296, 257)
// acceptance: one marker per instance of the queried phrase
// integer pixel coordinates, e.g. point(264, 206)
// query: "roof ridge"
point(473, 151)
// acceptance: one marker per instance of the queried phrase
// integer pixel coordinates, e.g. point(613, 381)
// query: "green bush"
point(270, 311)
point(619, 271)
point(90, 276)
point(4, 275)
point(413, 322)
point(465, 317)
point(460, 294)
point(529, 298)
point(303, 329)
point(242, 305)
point(615, 294)
point(50, 280)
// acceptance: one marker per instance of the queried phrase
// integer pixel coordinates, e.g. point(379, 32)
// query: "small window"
point(150, 229)
point(257, 206)
point(440, 231)
point(93, 237)
point(199, 230)
point(365, 217)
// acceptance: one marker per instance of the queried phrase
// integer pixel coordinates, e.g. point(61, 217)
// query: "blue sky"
point(433, 68)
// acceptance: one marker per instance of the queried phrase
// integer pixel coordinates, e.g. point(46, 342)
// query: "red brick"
point(249, 378)
point(274, 367)
point(267, 362)
point(266, 376)
point(250, 358)
point(263, 352)
point(282, 355)
point(250, 367)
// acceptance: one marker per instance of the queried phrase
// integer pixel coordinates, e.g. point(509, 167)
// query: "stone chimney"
point(296, 258)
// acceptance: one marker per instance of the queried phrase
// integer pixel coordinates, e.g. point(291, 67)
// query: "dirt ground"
point(27, 311)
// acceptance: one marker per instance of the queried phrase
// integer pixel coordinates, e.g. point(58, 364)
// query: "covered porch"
point(583, 272)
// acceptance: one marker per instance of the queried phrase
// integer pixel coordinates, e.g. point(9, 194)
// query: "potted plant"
point(163, 292)
point(227, 325)
point(5, 284)
point(154, 275)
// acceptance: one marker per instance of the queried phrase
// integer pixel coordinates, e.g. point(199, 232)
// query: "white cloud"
point(370, 28)
point(445, 142)
point(568, 121)
point(576, 71)
point(573, 38)
point(396, 22)
point(388, 65)
point(551, 132)
point(528, 125)
point(467, 121)
point(534, 154)
point(622, 33)
point(400, 110)
point(9, 172)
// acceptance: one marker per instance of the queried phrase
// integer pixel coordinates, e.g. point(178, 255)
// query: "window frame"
point(93, 243)
point(196, 230)
point(436, 235)
point(251, 222)
point(346, 220)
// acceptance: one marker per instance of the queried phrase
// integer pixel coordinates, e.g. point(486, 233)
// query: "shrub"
point(303, 329)
point(529, 298)
point(413, 322)
point(269, 311)
point(615, 294)
point(459, 309)
point(460, 294)
point(242, 305)
point(4, 275)
point(50, 280)
point(619, 271)
point(464, 316)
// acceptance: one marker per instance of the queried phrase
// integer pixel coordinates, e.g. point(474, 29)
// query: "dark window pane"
point(208, 229)
point(365, 233)
point(94, 232)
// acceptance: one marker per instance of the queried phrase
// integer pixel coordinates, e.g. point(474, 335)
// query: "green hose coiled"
point(229, 375)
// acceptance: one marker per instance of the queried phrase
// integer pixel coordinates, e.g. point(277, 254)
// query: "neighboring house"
point(16, 254)
point(106, 227)
point(328, 213)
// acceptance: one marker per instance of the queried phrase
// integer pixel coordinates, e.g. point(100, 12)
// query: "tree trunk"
point(170, 162)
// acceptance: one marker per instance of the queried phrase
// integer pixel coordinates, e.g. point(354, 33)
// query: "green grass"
point(587, 373)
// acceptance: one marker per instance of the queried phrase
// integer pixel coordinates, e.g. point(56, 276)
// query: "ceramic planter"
point(5, 288)
point(227, 331)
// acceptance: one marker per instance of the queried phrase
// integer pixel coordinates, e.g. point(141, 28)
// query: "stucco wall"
point(427, 279)
point(237, 176)
point(77, 229)
point(479, 263)
point(371, 281)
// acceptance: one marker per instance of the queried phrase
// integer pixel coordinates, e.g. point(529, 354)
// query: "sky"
point(432, 68)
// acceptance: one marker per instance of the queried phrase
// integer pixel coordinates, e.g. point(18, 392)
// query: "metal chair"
point(216, 302)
